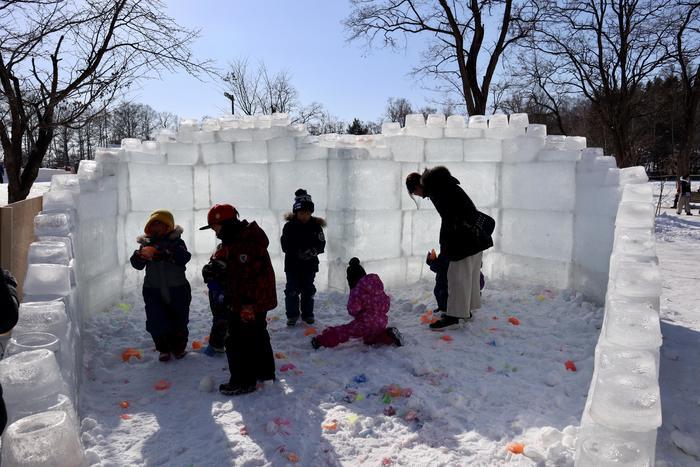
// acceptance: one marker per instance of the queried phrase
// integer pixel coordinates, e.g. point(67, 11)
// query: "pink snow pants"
point(372, 333)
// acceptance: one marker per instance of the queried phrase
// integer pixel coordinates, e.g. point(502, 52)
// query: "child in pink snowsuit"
point(369, 305)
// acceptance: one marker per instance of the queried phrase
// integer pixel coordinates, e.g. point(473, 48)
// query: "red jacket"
point(250, 277)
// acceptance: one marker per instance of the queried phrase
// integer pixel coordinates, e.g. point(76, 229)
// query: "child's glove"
point(216, 292)
point(430, 259)
point(247, 314)
point(148, 252)
point(308, 254)
point(213, 270)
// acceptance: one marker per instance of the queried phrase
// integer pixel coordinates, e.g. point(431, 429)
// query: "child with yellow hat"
point(166, 291)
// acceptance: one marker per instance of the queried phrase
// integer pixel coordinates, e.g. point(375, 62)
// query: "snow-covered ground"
point(38, 189)
point(472, 391)
point(678, 248)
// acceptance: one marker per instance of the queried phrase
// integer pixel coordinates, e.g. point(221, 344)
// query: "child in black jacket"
point(166, 291)
point(302, 242)
point(9, 306)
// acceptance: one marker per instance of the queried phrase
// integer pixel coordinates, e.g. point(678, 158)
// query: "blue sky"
point(304, 37)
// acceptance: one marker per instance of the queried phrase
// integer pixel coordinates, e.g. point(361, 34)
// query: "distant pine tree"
point(357, 128)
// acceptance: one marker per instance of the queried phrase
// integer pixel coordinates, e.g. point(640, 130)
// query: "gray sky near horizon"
point(304, 37)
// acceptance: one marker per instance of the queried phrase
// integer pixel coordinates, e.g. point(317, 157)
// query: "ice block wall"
point(556, 204)
point(623, 408)
point(544, 192)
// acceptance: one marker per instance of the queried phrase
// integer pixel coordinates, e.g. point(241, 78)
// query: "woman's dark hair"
point(412, 181)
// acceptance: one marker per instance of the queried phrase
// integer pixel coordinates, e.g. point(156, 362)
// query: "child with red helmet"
point(248, 293)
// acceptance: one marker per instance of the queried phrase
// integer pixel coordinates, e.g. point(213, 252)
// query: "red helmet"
point(220, 213)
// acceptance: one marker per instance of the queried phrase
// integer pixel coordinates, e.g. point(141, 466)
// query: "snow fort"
point(569, 225)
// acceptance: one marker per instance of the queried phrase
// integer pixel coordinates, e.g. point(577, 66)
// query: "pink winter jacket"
point(368, 302)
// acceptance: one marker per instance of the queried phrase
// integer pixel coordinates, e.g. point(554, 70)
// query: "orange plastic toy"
point(131, 352)
point(433, 255)
point(163, 385)
point(515, 448)
point(293, 458)
point(428, 317)
point(514, 321)
point(280, 355)
point(196, 345)
point(124, 404)
point(446, 338)
point(570, 365)
point(310, 331)
point(330, 426)
point(206, 339)
point(125, 416)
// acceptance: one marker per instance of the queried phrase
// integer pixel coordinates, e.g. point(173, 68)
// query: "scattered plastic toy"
point(428, 317)
point(569, 364)
point(515, 448)
point(491, 343)
point(390, 411)
point(243, 431)
point(490, 369)
point(514, 321)
point(163, 385)
point(330, 426)
point(386, 461)
point(287, 367)
point(352, 418)
point(125, 416)
point(280, 355)
point(359, 397)
point(125, 307)
point(540, 298)
point(446, 338)
point(386, 399)
point(293, 458)
point(359, 379)
point(131, 352)
point(206, 339)
point(495, 318)
point(124, 404)
point(196, 345)
point(310, 331)
point(411, 415)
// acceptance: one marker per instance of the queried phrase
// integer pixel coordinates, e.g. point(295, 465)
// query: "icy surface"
point(461, 410)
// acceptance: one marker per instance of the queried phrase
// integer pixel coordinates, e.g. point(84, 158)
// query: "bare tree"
point(309, 113)
point(279, 94)
point(606, 50)
point(244, 85)
point(537, 86)
point(59, 52)
point(686, 54)
point(458, 32)
point(397, 108)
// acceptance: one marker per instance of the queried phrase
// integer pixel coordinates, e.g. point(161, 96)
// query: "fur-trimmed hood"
point(174, 235)
point(319, 220)
point(437, 178)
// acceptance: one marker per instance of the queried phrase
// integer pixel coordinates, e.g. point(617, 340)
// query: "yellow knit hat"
point(161, 215)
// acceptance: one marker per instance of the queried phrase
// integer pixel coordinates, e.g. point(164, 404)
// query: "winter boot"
point(164, 356)
point(396, 336)
point(444, 323)
point(291, 322)
point(315, 343)
point(230, 389)
point(211, 351)
point(308, 319)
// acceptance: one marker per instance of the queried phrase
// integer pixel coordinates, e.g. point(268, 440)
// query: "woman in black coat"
point(461, 240)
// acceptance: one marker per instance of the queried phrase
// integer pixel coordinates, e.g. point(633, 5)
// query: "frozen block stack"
point(623, 409)
point(566, 217)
